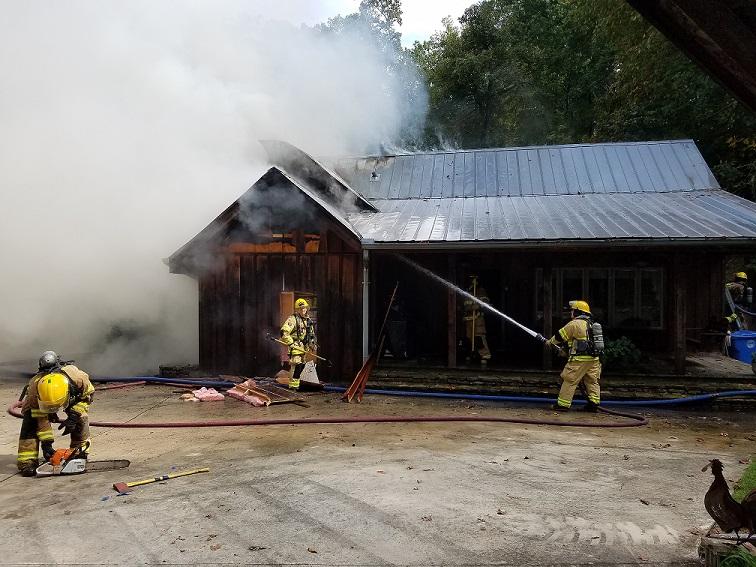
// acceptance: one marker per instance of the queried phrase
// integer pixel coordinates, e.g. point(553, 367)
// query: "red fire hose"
point(635, 420)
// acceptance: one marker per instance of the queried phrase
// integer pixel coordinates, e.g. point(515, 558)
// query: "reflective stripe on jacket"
point(298, 333)
point(473, 309)
point(737, 291)
point(576, 330)
point(80, 397)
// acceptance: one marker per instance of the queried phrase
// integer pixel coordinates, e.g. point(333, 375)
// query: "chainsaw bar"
point(78, 466)
point(99, 466)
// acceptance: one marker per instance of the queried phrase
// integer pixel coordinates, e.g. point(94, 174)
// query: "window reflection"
point(619, 297)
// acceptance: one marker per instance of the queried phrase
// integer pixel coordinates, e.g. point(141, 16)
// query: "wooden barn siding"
point(239, 305)
point(704, 283)
point(702, 277)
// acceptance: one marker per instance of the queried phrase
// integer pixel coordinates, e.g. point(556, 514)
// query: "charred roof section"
point(309, 172)
point(276, 202)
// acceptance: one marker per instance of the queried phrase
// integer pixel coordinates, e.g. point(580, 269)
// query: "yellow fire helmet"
point(299, 303)
point(741, 276)
point(53, 391)
point(580, 305)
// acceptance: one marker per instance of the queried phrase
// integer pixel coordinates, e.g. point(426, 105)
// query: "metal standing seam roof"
point(546, 170)
point(697, 215)
point(657, 191)
point(642, 192)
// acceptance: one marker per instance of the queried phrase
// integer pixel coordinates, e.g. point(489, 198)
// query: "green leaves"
point(520, 72)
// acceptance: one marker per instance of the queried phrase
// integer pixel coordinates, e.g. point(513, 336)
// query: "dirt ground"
point(371, 494)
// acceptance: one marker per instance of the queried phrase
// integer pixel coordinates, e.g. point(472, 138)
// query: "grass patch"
point(747, 482)
point(739, 558)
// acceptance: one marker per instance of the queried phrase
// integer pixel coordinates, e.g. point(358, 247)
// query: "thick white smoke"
point(125, 127)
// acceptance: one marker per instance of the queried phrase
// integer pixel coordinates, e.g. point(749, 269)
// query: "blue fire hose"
point(443, 395)
point(541, 400)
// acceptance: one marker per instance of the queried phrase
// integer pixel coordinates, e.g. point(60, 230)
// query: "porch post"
point(715, 262)
point(451, 311)
point(547, 315)
point(365, 305)
point(679, 323)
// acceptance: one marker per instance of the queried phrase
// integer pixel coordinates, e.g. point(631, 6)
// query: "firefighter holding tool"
point(56, 386)
point(298, 333)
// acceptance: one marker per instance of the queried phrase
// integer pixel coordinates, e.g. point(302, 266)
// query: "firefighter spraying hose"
point(580, 341)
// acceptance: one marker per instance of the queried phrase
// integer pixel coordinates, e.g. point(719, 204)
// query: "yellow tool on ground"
point(123, 487)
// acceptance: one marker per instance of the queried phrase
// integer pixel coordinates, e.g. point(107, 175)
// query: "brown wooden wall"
point(239, 305)
point(510, 280)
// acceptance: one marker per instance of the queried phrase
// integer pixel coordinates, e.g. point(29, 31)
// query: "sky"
point(128, 126)
point(420, 17)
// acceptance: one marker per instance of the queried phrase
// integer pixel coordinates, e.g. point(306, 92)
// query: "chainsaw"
point(74, 461)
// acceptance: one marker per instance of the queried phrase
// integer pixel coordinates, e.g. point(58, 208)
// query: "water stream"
point(468, 295)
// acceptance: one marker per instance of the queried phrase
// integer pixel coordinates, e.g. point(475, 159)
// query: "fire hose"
point(637, 420)
point(123, 382)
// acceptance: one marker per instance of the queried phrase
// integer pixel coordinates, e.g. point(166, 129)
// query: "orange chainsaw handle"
point(60, 456)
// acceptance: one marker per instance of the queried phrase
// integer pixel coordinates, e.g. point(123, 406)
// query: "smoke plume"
point(126, 128)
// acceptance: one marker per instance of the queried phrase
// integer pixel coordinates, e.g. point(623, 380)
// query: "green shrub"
point(740, 558)
point(747, 482)
point(621, 353)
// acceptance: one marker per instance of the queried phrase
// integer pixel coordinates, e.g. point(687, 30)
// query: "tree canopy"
point(523, 72)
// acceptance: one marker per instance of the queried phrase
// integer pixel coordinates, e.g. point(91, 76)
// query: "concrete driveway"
point(371, 494)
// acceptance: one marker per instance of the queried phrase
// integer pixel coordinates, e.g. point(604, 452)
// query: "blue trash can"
point(743, 345)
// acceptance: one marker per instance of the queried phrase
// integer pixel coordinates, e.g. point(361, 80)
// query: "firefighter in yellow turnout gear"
point(583, 363)
point(475, 322)
point(298, 333)
point(738, 295)
point(55, 387)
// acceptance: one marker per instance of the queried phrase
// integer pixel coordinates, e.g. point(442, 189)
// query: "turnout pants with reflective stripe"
point(297, 365)
point(36, 428)
point(589, 371)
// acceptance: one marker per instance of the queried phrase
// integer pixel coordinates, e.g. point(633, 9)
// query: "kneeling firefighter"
point(298, 333)
point(58, 385)
point(584, 341)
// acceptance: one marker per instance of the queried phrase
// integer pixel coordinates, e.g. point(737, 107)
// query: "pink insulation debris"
point(208, 395)
point(243, 393)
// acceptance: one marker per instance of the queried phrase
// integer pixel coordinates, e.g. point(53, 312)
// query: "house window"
point(625, 292)
point(619, 297)
point(598, 290)
point(650, 308)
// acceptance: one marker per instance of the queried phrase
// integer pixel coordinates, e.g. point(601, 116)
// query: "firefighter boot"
point(29, 468)
point(590, 407)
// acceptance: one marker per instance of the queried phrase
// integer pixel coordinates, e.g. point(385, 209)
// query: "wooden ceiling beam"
point(718, 36)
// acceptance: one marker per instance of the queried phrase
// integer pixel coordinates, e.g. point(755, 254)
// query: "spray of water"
point(470, 296)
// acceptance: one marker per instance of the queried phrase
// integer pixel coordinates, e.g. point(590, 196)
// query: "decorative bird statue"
point(729, 515)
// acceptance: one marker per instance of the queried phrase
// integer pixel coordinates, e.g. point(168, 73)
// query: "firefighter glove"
point(69, 424)
point(53, 418)
point(47, 450)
